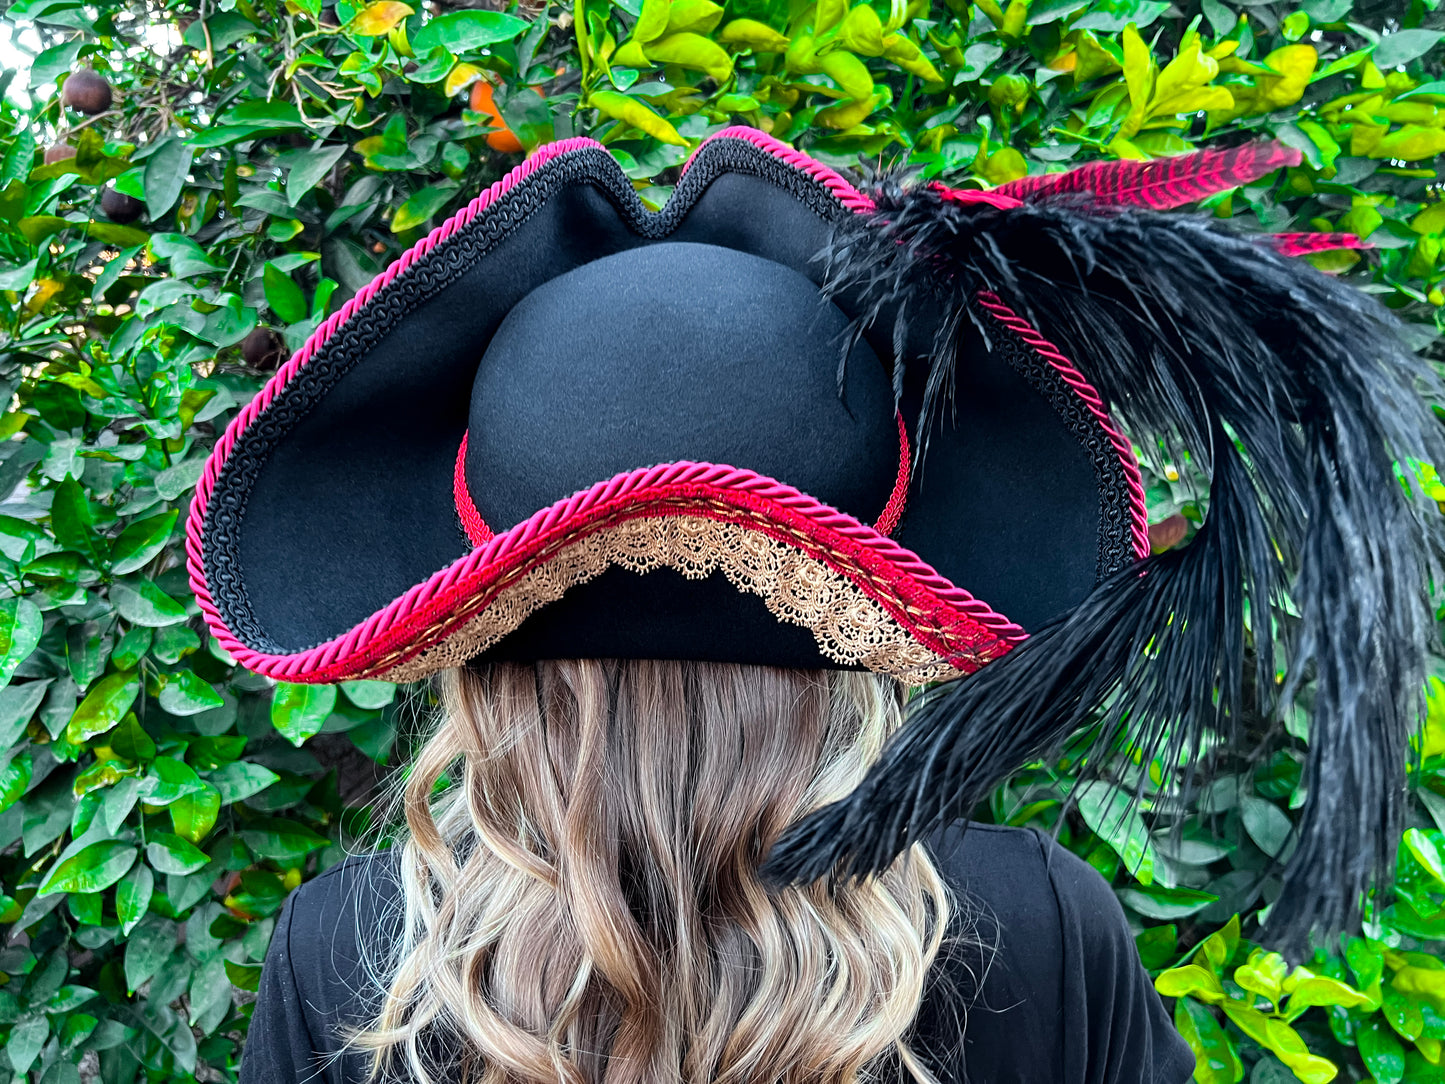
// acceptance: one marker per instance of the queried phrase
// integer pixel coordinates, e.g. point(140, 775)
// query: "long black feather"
point(1203, 338)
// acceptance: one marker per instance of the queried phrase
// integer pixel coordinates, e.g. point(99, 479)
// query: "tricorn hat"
point(784, 422)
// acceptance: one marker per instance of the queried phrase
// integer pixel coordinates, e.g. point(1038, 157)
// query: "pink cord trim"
point(1138, 508)
point(476, 527)
point(834, 181)
point(973, 195)
point(917, 596)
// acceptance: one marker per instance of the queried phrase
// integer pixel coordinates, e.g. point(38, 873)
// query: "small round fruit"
point(482, 101)
point(262, 349)
point(58, 152)
point(118, 207)
point(87, 92)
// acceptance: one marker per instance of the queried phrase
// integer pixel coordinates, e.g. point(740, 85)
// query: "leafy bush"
point(187, 190)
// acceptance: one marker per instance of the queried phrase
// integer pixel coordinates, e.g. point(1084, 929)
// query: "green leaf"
point(166, 171)
point(1424, 851)
point(1193, 981)
point(284, 296)
point(27, 1039)
point(241, 780)
point(1166, 903)
point(133, 897)
point(194, 815)
point(316, 163)
point(20, 628)
point(1266, 823)
point(299, 711)
point(1215, 1059)
point(421, 206)
point(17, 708)
point(1383, 1056)
point(92, 869)
point(129, 740)
point(459, 31)
point(1404, 46)
point(86, 649)
point(141, 541)
point(280, 840)
point(186, 693)
point(369, 694)
point(71, 519)
point(169, 853)
point(103, 707)
point(15, 774)
point(169, 781)
point(1113, 816)
point(142, 602)
point(149, 946)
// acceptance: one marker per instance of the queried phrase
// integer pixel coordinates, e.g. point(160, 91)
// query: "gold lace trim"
point(850, 627)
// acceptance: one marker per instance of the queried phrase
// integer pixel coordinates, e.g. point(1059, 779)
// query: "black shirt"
point(1046, 989)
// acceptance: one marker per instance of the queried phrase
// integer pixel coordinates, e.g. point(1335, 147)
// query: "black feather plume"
point(1203, 338)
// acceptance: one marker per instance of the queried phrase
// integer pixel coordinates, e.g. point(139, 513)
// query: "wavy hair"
point(580, 887)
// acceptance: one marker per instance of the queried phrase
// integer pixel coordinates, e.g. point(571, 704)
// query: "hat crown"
point(677, 351)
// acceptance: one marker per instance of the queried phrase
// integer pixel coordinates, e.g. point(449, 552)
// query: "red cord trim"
point(942, 616)
point(893, 510)
point(472, 522)
point(1138, 507)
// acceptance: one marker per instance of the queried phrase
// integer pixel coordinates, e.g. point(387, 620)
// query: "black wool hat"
point(784, 422)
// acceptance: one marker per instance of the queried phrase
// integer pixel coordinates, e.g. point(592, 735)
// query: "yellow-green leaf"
point(1263, 974)
point(850, 73)
point(900, 49)
point(634, 112)
point(751, 34)
point(1411, 143)
point(695, 52)
point(697, 16)
point(460, 76)
point(377, 18)
point(652, 21)
point(861, 31)
point(1191, 980)
point(194, 815)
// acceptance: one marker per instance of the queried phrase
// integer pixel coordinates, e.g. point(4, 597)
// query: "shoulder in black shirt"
point(1044, 986)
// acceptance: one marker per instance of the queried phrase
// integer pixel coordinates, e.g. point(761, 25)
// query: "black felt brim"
point(329, 501)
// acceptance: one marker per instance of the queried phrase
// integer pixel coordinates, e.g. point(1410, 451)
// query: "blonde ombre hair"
point(581, 898)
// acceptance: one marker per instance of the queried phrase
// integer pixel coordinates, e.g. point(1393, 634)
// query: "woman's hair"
point(581, 898)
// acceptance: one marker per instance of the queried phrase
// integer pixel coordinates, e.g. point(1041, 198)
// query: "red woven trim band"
point(480, 534)
point(472, 522)
point(1138, 507)
point(893, 510)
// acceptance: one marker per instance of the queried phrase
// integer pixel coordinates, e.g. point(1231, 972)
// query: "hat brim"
point(867, 600)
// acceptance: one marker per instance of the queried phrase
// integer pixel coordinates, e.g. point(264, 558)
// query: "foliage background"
point(266, 159)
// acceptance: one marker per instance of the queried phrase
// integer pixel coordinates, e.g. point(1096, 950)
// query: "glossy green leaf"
point(92, 869)
point(133, 896)
point(298, 711)
point(283, 295)
point(104, 706)
point(166, 171)
point(459, 31)
point(141, 541)
point(20, 627)
point(185, 693)
point(142, 602)
point(168, 853)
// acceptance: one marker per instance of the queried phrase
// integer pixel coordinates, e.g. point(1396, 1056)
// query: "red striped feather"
point(1302, 244)
point(1163, 182)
